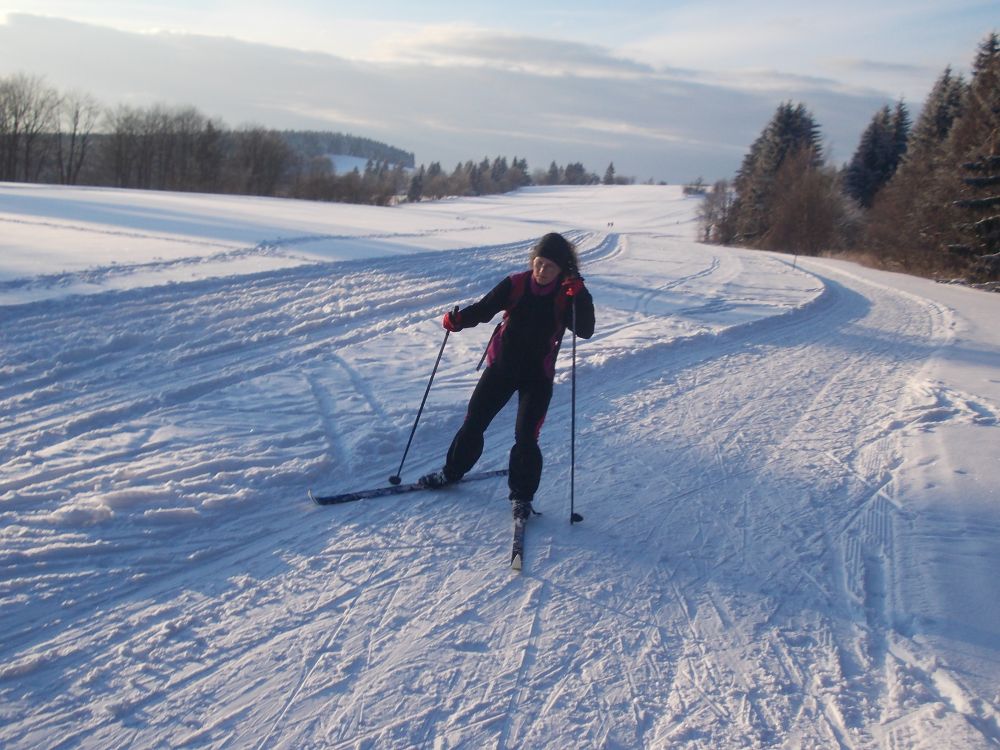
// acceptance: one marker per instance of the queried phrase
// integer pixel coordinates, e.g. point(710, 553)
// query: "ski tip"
point(516, 562)
point(312, 496)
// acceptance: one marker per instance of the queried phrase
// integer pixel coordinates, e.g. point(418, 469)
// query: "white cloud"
point(462, 45)
point(631, 130)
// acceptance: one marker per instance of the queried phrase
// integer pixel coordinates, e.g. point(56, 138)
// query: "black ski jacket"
point(527, 342)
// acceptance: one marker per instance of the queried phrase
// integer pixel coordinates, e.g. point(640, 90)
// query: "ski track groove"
point(527, 655)
point(327, 411)
point(317, 658)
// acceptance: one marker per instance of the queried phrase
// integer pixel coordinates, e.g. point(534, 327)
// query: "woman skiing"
point(539, 305)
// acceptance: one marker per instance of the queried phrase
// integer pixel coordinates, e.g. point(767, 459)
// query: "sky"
point(664, 90)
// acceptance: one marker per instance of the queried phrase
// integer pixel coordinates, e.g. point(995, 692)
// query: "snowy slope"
point(788, 475)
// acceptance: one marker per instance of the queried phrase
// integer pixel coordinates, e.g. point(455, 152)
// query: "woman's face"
point(544, 271)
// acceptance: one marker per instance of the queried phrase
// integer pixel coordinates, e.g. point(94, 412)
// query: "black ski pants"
point(494, 390)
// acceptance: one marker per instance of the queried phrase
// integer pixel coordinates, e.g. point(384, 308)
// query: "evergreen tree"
point(476, 174)
point(877, 157)
point(576, 174)
point(609, 174)
point(905, 223)
point(792, 130)
point(975, 130)
point(435, 181)
point(900, 130)
point(460, 182)
point(517, 175)
point(974, 146)
point(943, 105)
point(499, 170)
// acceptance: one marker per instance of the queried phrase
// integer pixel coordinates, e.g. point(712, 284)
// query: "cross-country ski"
point(395, 489)
point(517, 548)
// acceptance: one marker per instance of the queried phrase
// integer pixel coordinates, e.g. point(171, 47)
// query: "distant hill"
point(313, 143)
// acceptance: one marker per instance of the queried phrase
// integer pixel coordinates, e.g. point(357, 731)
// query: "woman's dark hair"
point(560, 251)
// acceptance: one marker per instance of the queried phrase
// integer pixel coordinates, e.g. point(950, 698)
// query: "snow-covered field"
point(789, 475)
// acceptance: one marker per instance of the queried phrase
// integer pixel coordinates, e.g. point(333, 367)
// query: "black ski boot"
point(521, 508)
point(435, 480)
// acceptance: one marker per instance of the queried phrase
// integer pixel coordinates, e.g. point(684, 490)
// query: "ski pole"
point(574, 517)
point(396, 478)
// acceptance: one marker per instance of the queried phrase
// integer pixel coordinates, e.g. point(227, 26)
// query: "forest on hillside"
point(50, 137)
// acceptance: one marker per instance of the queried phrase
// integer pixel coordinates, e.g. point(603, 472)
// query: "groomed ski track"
point(741, 579)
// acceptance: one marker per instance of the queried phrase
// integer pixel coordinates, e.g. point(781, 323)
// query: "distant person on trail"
point(538, 307)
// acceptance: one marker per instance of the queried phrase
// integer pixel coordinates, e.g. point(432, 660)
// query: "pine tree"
point(460, 182)
point(791, 130)
point(518, 175)
point(576, 174)
point(475, 178)
point(943, 105)
point(416, 191)
point(900, 131)
point(905, 224)
point(975, 133)
point(609, 174)
point(974, 145)
point(435, 181)
point(877, 157)
point(499, 169)
point(868, 168)
point(553, 177)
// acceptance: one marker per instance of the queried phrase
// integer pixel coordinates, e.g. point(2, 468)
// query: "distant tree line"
point(500, 175)
point(919, 197)
point(70, 139)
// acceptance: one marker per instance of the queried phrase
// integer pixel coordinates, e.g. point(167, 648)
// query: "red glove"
point(452, 321)
point(572, 287)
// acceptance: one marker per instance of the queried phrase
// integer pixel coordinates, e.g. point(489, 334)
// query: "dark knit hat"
point(559, 250)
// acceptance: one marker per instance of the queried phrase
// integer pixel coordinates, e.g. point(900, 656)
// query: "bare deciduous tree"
point(715, 214)
point(28, 118)
point(808, 207)
point(78, 114)
point(260, 159)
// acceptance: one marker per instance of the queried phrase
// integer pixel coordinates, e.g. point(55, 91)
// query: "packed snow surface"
point(788, 468)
